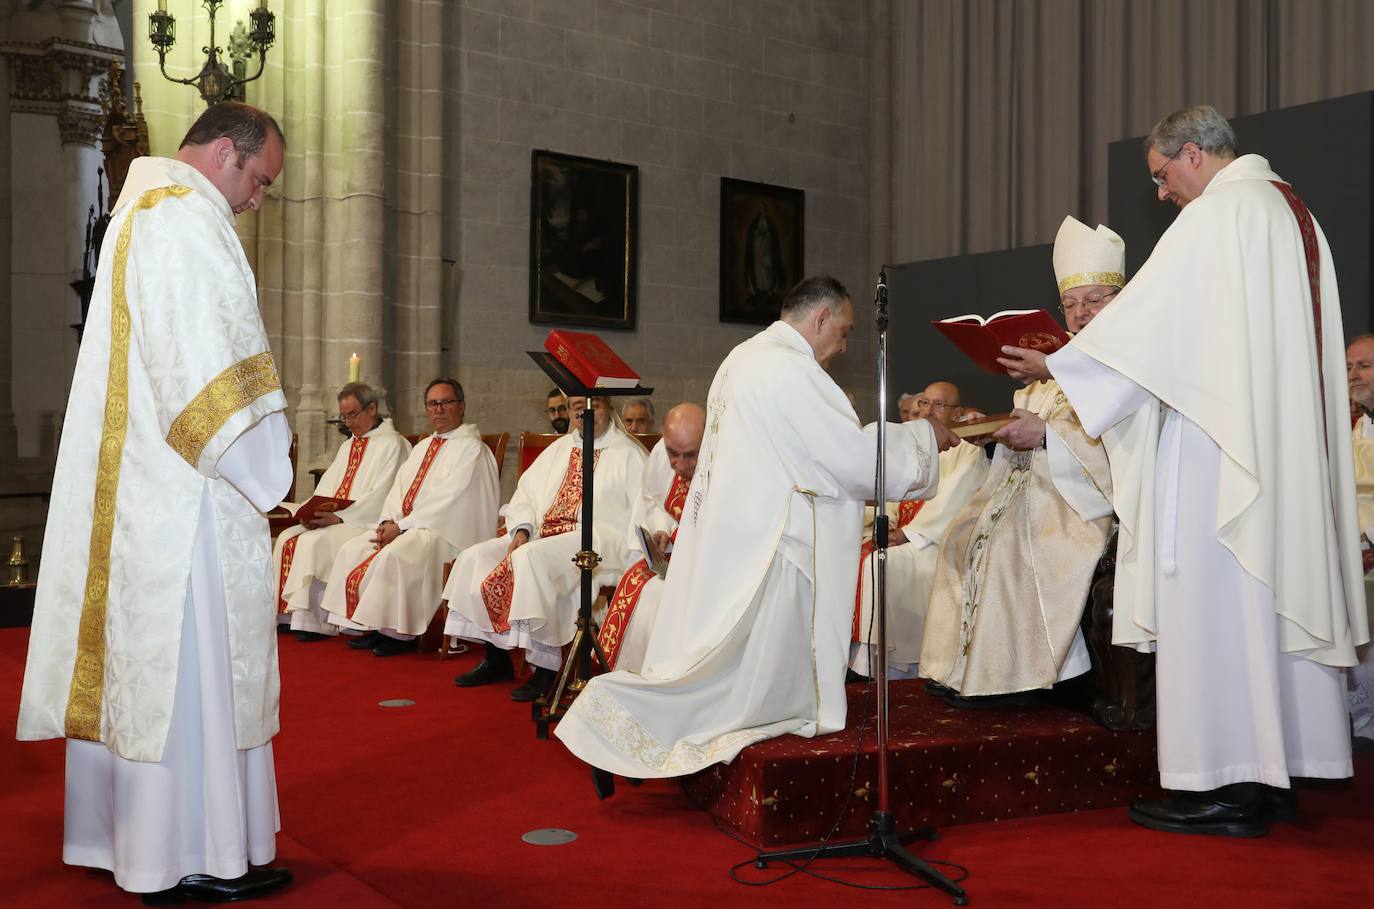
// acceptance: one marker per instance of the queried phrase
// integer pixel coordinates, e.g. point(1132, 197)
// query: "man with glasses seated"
point(1016, 564)
point(918, 526)
point(557, 411)
point(386, 586)
point(362, 471)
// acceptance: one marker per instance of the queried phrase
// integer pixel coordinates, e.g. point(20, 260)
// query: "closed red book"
point(589, 359)
point(982, 340)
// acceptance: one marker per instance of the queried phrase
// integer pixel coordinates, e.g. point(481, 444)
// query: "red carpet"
point(424, 806)
point(947, 766)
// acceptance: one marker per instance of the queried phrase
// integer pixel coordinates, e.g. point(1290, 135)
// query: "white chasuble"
point(1015, 567)
point(444, 499)
point(363, 470)
point(752, 633)
point(1225, 427)
point(1361, 682)
point(530, 600)
point(911, 567)
point(174, 368)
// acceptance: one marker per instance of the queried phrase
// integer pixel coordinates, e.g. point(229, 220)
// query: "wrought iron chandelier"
point(216, 81)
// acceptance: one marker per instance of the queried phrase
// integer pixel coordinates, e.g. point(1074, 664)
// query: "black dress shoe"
point(257, 882)
point(365, 641)
point(391, 646)
point(603, 782)
point(306, 637)
point(535, 687)
point(1280, 805)
point(1240, 809)
point(851, 676)
point(484, 674)
point(1019, 700)
point(935, 688)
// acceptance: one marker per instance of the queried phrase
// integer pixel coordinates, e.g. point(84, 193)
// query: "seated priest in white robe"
point(1359, 364)
point(752, 633)
point(362, 471)
point(918, 528)
point(1215, 383)
point(522, 590)
point(385, 588)
point(668, 473)
point(1017, 563)
point(153, 648)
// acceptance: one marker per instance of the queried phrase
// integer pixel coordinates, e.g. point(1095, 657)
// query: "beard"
point(560, 425)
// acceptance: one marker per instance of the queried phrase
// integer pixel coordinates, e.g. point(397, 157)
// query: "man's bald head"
point(943, 398)
point(683, 427)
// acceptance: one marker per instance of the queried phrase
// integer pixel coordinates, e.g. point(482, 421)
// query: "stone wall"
point(689, 91)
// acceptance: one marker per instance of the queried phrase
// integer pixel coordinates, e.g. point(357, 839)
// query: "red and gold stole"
point(631, 585)
point(498, 587)
point(906, 512)
point(288, 549)
point(355, 577)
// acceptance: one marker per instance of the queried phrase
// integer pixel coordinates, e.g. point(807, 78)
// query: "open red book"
point(982, 339)
point(589, 359)
point(280, 519)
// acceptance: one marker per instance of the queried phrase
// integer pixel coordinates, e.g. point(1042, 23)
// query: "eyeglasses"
point(553, 411)
point(437, 406)
point(941, 405)
point(1158, 176)
point(1089, 301)
point(349, 417)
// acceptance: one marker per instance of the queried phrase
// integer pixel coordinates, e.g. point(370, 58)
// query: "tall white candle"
point(355, 368)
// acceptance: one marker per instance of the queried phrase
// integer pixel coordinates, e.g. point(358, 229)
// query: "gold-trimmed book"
point(983, 426)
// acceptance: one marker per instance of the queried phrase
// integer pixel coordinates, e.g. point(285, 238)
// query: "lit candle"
point(355, 368)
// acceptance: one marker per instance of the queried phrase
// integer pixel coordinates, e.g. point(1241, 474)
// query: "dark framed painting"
point(762, 234)
point(584, 241)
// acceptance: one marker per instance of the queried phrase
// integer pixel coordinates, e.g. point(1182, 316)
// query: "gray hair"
point(811, 293)
point(642, 402)
point(360, 392)
point(1200, 125)
point(907, 396)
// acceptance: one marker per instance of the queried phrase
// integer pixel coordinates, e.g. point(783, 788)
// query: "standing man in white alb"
point(1359, 370)
point(753, 630)
point(385, 587)
point(362, 471)
point(1215, 381)
point(153, 648)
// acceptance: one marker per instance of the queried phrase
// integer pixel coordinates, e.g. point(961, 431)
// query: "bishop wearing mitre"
point(752, 633)
point(1015, 567)
point(667, 475)
point(362, 471)
point(519, 591)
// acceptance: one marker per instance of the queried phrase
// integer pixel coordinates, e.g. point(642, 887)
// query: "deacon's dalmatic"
point(1015, 567)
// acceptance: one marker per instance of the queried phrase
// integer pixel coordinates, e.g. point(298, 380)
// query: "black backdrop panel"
point(984, 283)
point(1324, 149)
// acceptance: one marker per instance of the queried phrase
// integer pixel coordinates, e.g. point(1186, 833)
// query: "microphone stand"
point(883, 840)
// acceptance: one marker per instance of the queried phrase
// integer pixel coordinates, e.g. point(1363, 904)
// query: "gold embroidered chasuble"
point(1014, 568)
point(173, 369)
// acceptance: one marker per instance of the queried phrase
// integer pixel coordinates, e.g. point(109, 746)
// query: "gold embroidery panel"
point(87, 691)
point(225, 395)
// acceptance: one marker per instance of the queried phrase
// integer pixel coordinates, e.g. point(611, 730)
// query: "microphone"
point(880, 294)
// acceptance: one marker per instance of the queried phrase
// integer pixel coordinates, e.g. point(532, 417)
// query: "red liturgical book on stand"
point(589, 359)
point(982, 339)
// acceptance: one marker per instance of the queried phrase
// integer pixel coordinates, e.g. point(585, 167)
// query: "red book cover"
point(982, 340)
point(589, 359)
point(279, 518)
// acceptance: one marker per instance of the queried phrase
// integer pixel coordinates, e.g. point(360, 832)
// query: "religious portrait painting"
point(584, 243)
point(761, 248)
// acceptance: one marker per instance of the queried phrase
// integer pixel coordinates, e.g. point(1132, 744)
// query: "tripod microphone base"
point(882, 842)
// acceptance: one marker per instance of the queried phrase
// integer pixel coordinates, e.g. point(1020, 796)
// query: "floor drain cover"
point(396, 702)
point(549, 836)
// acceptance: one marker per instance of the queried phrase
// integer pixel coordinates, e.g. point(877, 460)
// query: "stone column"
point(879, 134)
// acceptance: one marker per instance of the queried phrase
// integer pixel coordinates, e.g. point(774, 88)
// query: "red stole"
point(631, 585)
point(906, 513)
point(288, 549)
point(498, 587)
point(355, 577)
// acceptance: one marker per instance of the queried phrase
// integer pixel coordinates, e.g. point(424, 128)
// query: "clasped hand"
point(1024, 432)
point(386, 532)
point(1024, 364)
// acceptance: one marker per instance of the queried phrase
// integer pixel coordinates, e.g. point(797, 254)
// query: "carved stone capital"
point(60, 78)
point(80, 124)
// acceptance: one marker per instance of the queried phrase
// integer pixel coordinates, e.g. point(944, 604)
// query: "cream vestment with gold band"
point(175, 367)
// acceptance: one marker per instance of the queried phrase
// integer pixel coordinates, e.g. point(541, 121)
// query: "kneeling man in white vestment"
point(153, 648)
point(362, 472)
point(667, 475)
point(1215, 382)
point(1018, 560)
point(521, 590)
point(387, 586)
point(1359, 366)
point(919, 526)
point(752, 634)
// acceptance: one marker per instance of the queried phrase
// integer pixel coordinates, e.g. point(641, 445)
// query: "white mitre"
point(1086, 256)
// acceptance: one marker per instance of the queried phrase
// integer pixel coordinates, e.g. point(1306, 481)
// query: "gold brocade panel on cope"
point(1015, 566)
